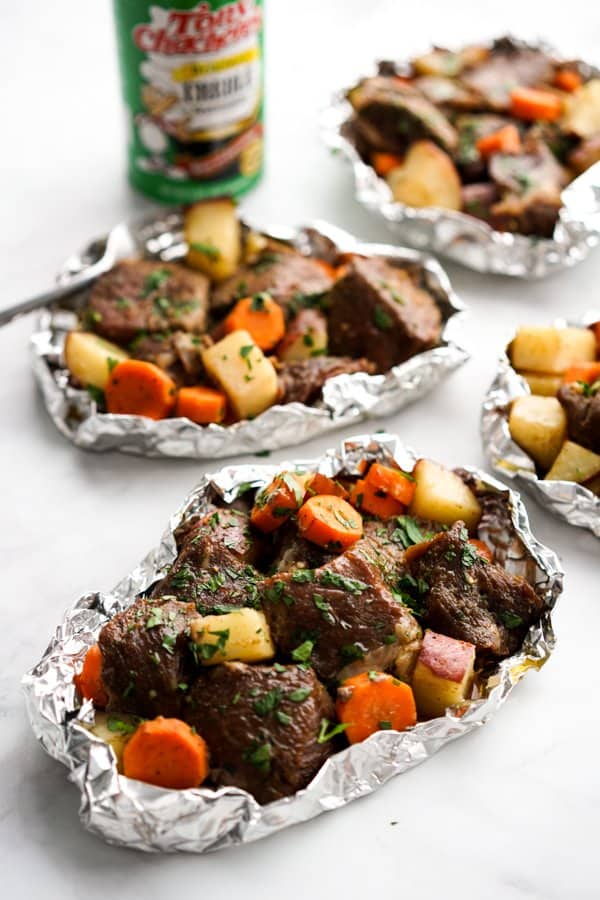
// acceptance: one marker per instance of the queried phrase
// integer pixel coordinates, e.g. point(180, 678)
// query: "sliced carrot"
point(166, 752)
point(201, 404)
point(327, 267)
point(277, 501)
point(261, 317)
point(567, 80)
point(329, 521)
point(483, 549)
point(531, 103)
point(374, 501)
point(589, 373)
point(383, 163)
point(321, 484)
point(140, 388)
point(89, 681)
point(505, 140)
point(394, 482)
point(413, 553)
point(374, 701)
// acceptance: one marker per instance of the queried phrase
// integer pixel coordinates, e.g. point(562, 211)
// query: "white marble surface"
point(507, 814)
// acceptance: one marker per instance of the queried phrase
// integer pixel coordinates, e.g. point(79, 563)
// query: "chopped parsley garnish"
point(410, 593)
point(385, 725)
point(268, 702)
point(351, 652)
point(326, 733)
point(119, 726)
point(331, 579)
point(324, 608)
point(303, 576)
point(162, 305)
point(299, 695)
point(303, 652)
point(155, 280)
point(245, 352)
point(282, 717)
point(168, 642)
point(470, 556)
point(260, 757)
point(407, 532)
point(155, 618)
point(206, 248)
point(111, 362)
point(510, 619)
point(258, 302)
point(381, 319)
point(96, 393)
point(123, 303)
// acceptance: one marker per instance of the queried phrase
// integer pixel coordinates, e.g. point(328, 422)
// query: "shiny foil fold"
point(346, 399)
point(464, 238)
point(572, 502)
point(141, 816)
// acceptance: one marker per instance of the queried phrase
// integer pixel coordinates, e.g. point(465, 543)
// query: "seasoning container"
point(192, 77)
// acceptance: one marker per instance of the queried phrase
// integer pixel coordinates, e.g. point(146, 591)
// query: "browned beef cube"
point(338, 616)
point(295, 553)
point(261, 724)
point(583, 415)
point(145, 658)
point(284, 274)
point(508, 66)
point(302, 381)
point(215, 565)
point(377, 311)
point(470, 599)
point(142, 296)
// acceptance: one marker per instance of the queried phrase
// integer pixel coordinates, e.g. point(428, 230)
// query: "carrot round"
point(397, 484)
point(531, 103)
point(329, 521)
point(89, 681)
point(277, 501)
point(375, 501)
point(374, 701)
point(166, 752)
point(586, 372)
point(321, 484)
point(483, 549)
point(383, 163)
point(140, 388)
point(201, 404)
point(567, 80)
point(261, 317)
point(505, 140)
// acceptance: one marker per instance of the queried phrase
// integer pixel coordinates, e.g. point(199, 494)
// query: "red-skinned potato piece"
point(443, 675)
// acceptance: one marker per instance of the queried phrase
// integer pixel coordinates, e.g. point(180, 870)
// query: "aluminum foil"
point(346, 399)
point(572, 502)
point(137, 815)
point(464, 238)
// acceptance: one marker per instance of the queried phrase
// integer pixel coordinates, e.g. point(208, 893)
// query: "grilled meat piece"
point(145, 657)
point(295, 553)
point(508, 66)
point(142, 296)
point(583, 415)
point(261, 724)
point(377, 311)
point(478, 199)
point(472, 600)
point(302, 381)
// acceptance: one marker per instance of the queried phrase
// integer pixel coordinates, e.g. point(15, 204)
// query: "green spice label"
point(193, 86)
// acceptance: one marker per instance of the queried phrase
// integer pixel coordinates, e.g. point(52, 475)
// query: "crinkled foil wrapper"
point(464, 238)
point(346, 399)
point(572, 502)
point(137, 815)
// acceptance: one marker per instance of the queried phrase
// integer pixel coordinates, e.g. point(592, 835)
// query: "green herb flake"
point(382, 319)
point(213, 253)
point(510, 619)
point(283, 718)
point(352, 652)
point(299, 695)
point(155, 280)
point(259, 756)
point(385, 725)
point(155, 618)
point(111, 362)
point(268, 702)
point(168, 642)
point(326, 733)
point(119, 726)
point(303, 652)
point(245, 352)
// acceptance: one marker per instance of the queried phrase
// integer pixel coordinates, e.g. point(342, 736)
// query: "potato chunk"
point(582, 115)
point(306, 336)
point(541, 384)
point(443, 675)
point(551, 350)
point(240, 368)
point(242, 635)
point(428, 177)
point(539, 426)
point(442, 496)
point(574, 463)
point(91, 359)
point(213, 235)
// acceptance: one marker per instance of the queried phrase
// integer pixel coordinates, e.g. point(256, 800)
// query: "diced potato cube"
point(241, 369)
point(213, 234)
point(91, 359)
point(242, 634)
point(551, 350)
point(574, 463)
point(427, 177)
point(582, 115)
point(442, 496)
point(539, 426)
point(443, 675)
point(306, 336)
point(541, 384)
point(114, 729)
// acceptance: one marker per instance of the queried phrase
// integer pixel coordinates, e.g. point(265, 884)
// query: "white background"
point(509, 812)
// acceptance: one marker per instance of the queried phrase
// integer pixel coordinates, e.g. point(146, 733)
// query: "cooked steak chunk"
point(472, 600)
point(145, 659)
point(583, 415)
point(283, 273)
point(215, 565)
point(447, 92)
point(383, 544)
point(139, 295)
point(337, 615)
point(261, 724)
point(377, 311)
point(295, 553)
point(302, 381)
point(478, 199)
point(508, 66)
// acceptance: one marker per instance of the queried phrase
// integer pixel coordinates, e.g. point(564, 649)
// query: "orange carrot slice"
point(588, 373)
point(531, 104)
point(330, 522)
point(321, 484)
point(383, 163)
point(201, 404)
point(374, 501)
point(505, 140)
point(261, 317)
point(167, 753)
point(277, 501)
point(140, 388)
point(393, 482)
point(374, 701)
point(89, 681)
point(567, 80)
point(483, 549)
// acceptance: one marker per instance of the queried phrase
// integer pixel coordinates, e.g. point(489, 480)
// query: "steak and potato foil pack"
point(138, 815)
point(500, 235)
point(575, 503)
point(346, 398)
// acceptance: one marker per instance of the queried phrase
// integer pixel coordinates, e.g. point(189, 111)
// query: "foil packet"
point(137, 815)
point(464, 238)
point(346, 399)
point(566, 499)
